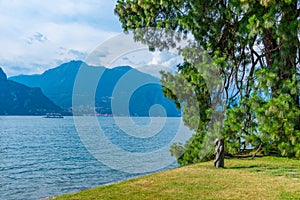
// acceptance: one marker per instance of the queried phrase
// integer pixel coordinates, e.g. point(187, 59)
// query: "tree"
point(255, 46)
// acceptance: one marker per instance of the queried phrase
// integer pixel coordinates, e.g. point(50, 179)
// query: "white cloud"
point(36, 35)
point(122, 50)
point(167, 59)
point(149, 62)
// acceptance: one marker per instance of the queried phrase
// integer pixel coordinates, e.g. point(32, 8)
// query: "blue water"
point(41, 157)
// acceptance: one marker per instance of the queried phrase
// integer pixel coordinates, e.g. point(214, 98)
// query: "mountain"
point(18, 99)
point(58, 83)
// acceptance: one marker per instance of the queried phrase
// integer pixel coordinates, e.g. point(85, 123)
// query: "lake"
point(45, 157)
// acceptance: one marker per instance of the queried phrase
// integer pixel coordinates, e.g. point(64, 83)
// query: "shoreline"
point(107, 184)
point(262, 177)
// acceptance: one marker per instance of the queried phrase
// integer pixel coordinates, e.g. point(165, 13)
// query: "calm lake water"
point(45, 157)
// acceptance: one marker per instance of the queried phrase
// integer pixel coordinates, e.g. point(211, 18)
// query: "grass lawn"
point(260, 178)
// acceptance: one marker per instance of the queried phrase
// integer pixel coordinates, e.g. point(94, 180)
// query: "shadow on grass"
point(244, 167)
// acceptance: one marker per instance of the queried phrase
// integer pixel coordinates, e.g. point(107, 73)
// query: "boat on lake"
point(53, 115)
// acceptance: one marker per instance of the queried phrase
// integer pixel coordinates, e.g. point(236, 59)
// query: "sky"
point(37, 35)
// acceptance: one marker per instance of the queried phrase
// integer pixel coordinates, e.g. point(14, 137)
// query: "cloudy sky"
point(37, 35)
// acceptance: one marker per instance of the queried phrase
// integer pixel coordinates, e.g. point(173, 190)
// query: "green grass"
point(260, 178)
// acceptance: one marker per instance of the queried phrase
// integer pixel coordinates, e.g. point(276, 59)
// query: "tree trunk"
point(219, 153)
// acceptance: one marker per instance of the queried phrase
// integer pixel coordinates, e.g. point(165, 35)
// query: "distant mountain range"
point(57, 84)
point(18, 99)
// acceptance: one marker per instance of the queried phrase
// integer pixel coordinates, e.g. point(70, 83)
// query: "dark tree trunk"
point(219, 153)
